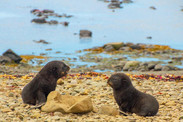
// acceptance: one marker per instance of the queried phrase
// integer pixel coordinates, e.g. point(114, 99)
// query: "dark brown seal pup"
point(45, 81)
point(130, 99)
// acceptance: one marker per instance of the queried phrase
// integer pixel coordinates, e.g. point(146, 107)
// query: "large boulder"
point(67, 103)
point(131, 65)
point(115, 4)
point(158, 67)
point(13, 56)
point(116, 45)
point(85, 33)
point(39, 20)
point(109, 48)
point(126, 49)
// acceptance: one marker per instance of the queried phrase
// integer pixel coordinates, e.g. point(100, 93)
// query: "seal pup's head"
point(119, 81)
point(55, 68)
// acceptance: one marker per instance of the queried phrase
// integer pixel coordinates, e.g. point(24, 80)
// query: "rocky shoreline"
point(165, 86)
point(121, 56)
point(112, 57)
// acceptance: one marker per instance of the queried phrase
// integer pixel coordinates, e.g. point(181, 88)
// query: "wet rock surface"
point(114, 4)
point(64, 23)
point(118, 56)
point(45, 14)
point(85, 33)
point(152, 7)
point(41, 41)
point(39, 20)
point(54, 22)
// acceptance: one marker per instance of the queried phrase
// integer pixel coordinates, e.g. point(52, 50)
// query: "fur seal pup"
point(130, 99)
point(36, 91)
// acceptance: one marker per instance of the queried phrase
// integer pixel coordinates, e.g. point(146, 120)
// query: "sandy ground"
point(168, 93)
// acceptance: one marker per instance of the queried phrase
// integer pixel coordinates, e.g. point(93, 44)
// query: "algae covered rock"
point(131, 65)
point(116, 45)
point(12, 55)
point(67, 103)
point(5, 59)
point(109, 48)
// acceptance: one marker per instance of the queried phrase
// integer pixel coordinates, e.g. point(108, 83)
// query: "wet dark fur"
point(45, 81)
point(130, 99)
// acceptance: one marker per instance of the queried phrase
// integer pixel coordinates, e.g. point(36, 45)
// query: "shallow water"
point(133, 23)
point(144, 59)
